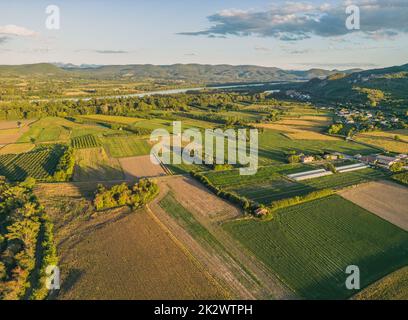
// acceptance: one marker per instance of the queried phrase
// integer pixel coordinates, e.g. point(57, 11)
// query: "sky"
point(284, 34)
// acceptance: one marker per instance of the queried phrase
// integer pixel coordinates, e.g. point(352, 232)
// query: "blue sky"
point(291, 35)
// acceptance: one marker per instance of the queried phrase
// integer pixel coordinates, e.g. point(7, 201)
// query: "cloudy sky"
point(286, 34)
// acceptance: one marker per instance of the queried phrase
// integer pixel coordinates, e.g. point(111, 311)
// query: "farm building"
point(386, 161)
point(331, 156)
point(306, 159)
point(351, 167)
point(309, 174)
point(368, 159)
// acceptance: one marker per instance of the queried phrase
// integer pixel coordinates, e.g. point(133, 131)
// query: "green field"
point(39, 164)
point(273, 147)
point(125, 146)
point(50, 129)
point(86, 141)
point(270, 183)
point(310, 245)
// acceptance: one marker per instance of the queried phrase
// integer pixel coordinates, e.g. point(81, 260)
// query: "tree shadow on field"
point(70, 280)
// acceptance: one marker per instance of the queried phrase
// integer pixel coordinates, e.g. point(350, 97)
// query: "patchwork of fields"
point(270, 183)
point(306, 247)
point(310, 245)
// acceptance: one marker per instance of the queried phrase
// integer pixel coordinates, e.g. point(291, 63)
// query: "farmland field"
point(310, 245)
point(125, 146)
point(94, 165)
point(131, 258)
point(50, 129)
point(86, 141)
point(386, 199)
point(39, 164)
point(189, 222)
point(16, 148)
point(392, 287)
point(269, 183)
point(386, 140)
point(273, 145)
point(140, 166)
point(111, 119)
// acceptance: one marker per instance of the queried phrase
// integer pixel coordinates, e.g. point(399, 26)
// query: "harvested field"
point(295, 133)
point(387, 140)
point(137, 167)
point(16, 148)
point(131, 257)
point(94, 165)
point(392, 287)
point(12, 135)
point(119, 254)
point(193, 196)
point(386, 199)
point(13, 124)
point(111, 119)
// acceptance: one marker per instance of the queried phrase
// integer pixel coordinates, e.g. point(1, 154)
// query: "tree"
point(294, 158)
point(335, 128)
point(397, 166)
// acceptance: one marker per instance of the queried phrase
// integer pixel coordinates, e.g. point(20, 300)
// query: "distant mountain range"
point(191, 73)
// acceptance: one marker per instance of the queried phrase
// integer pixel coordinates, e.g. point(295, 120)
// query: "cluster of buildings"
point(374, 159)
point(297, 95)
point(356, 116)
point(381, 160)
point(328, 156)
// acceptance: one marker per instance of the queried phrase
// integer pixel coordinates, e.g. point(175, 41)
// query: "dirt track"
point(233, 266)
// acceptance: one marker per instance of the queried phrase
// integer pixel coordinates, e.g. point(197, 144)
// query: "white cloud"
point(301, 20)
point(13, 30)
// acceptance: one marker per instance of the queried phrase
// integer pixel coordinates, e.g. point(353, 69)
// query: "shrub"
point(283, 203)
point(401, 177)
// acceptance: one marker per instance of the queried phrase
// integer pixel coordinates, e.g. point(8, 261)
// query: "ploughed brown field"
point(133, 258)
point(140, 166)
point(386, 199)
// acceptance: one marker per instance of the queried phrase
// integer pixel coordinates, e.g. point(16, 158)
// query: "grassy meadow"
point(310, 245)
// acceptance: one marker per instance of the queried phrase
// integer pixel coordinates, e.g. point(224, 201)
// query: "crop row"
point(36, 164)
point(310, 245)
point(84, 142)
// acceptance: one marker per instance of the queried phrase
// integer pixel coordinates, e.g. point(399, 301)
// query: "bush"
point(401, 177)
point(397, 166)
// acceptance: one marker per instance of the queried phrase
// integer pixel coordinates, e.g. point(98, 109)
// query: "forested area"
point(129, 106)
point(26, 243)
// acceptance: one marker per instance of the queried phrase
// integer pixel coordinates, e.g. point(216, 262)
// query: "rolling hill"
point(191, 73)
point(373, 87)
